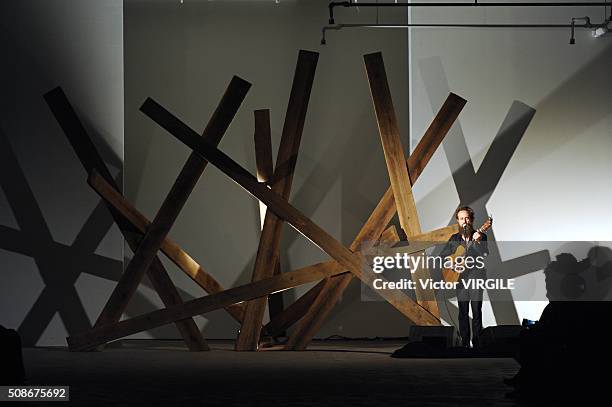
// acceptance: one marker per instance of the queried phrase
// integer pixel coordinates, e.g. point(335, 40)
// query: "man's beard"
point(467, 231)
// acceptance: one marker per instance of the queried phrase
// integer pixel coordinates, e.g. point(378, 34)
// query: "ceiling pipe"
point(351, 3)
point(571, 26)
point(587, 22)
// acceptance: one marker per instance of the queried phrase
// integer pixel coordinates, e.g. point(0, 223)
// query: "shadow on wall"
point(340, 162)
point(589, 279)
point(561, 356)
point(53, 230)
point(58, 265)
point(475, 188)
point(575, 105)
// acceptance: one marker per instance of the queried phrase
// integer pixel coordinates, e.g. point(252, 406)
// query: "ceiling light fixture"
point(598, 30)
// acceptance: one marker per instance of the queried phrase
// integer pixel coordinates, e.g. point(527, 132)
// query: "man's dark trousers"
point(464, 318)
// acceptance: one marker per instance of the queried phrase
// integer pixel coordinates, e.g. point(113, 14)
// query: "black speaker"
point(12, 372)
point(443, 337)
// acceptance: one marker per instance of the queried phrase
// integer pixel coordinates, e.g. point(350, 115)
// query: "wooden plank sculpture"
point(265, 172)
point(266, 260)
point(271, 187)
point(396, 166)
point(92, 161)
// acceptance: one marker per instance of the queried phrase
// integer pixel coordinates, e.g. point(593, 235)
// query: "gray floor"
point(329, 374)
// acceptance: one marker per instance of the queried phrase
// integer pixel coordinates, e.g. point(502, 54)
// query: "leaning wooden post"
point(265, 172)
point(330, 293)
point(199, 306)
point(170, 248)
point(269, 241)
point(354, 262)
point(172, 205)
point(396, 167)
point(92, 161)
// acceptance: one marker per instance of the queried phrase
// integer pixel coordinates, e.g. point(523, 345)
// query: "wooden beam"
point(171, 297)
point(290, 315)
point(331, 291)
point(418, 244)
point(92, 161)
point(265, 172)
point(102, 334)
point(396, 167)
point(382, 214)
point(390, 235)
point(388, 129)
point(266, 260)
point(435, 133)
point(282, 321)
point(170, 248)
point(298, 309)
point(99, 335)
point(354, 262)
point(438, 236)
point(327, 288)
point(172, 205)
point(263, 146)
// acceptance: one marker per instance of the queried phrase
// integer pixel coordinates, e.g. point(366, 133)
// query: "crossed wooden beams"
point(272, 188)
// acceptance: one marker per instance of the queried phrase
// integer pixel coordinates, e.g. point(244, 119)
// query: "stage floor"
point(145, 372)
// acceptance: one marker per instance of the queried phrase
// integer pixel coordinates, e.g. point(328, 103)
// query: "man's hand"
point(477, 236)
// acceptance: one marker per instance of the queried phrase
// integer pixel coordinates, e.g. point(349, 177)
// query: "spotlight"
point(600, 31)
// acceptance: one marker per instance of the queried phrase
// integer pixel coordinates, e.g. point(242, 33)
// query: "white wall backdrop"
point(184, 56)
point(531, 147)
point(59, 250)
point(530, 94)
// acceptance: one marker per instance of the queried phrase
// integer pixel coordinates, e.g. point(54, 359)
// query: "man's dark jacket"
point(475, 249)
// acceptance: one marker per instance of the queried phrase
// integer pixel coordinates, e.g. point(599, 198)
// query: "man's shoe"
point(514, 394)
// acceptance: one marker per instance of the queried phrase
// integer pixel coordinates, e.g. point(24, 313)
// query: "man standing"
point(475, 243)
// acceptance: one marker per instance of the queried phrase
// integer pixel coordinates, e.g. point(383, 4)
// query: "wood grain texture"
point(172, 205)
point(265, 172)
point(99, 335)
point(295, 311)
point(266, 260)
point(383, 213)
point(437, 236)
point(170, 248)
point(233, 296)
point(435, 133)
point(290, 315)
point(92, 162)
point(354, 262)
point(263, 146)
point(390, 235)
point(329, 290)
point(388, 129)
point(396, 167)
point(418, 243)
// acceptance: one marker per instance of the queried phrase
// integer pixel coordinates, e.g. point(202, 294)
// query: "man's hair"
point(469, 210)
